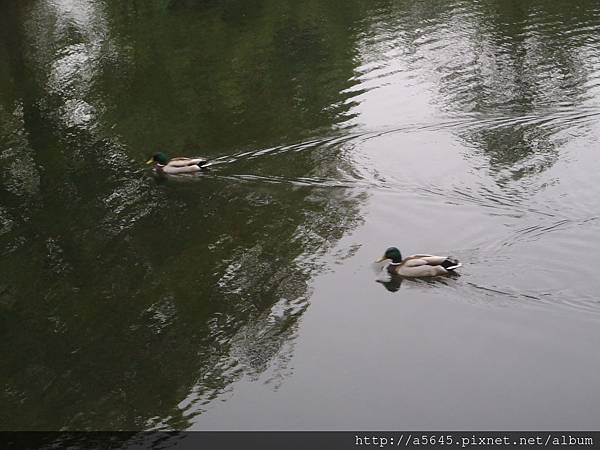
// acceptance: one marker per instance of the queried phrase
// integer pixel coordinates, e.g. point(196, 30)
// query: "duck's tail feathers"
point(451, 264)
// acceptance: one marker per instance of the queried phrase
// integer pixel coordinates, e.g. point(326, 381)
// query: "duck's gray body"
point(424, 266)
point(177, 166)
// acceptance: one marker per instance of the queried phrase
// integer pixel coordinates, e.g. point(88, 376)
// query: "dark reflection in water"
point(122, 297)
point(130, 302)
point(537, 76)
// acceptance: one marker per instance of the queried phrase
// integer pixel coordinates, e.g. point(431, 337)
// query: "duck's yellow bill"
point(149, 161)
point(383, 258)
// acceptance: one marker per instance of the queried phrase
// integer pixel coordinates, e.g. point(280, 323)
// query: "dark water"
point(246, 298)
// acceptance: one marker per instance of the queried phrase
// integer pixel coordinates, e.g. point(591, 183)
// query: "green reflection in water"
point(125, 296)
point(130, 302)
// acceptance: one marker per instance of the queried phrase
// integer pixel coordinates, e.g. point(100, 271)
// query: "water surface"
point(246, 298)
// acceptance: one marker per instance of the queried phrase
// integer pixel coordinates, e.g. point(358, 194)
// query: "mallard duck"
point(419, 265)
point(174, 166)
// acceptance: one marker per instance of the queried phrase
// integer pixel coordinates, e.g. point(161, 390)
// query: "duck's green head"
point(392, 253)
point(159, 158)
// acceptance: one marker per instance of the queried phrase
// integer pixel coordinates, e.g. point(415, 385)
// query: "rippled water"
point(245, 298)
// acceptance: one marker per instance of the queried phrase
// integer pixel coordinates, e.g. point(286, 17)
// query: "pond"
point(246, 298)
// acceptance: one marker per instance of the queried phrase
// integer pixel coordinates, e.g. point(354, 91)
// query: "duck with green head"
point(418, 265)
point(174, 166)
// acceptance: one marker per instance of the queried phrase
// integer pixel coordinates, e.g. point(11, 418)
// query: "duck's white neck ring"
point(395, 264)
